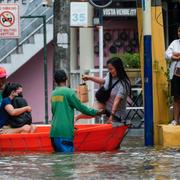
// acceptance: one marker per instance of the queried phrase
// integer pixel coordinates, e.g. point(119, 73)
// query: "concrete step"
point(169, 135)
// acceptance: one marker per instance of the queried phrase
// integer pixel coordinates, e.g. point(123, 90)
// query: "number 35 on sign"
point(80, 14)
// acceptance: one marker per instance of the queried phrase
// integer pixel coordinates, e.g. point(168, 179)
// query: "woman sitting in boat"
point(112, 96)
point(63, 103)
point(8, 112)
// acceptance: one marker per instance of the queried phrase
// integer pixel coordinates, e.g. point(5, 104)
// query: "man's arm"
point(75, 102)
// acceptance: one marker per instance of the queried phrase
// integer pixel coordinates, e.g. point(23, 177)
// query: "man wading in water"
point(63, 103)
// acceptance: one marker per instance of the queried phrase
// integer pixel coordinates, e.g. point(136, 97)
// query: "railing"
point(28, 28)
point(134, 110)
point(32, 8)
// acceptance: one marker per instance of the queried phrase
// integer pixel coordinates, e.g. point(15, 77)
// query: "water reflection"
point(133, 161)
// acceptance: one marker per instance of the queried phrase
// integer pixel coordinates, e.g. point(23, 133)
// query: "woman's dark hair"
point(9, 88)
point(117, 63)
point(60, 76)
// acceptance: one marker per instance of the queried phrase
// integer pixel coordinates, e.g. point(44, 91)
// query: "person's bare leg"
point(12, 130)
point(98, 106)
point(33, 128)
point(23, 129)
point(176, 108)
point(26, 129)
point(178, 102)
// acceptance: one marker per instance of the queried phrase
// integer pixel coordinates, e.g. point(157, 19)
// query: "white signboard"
point(9, 21)
point(119, 12)
point(79, 14)
point(62, 40)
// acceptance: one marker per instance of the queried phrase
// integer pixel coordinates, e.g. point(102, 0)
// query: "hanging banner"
point(9, 21)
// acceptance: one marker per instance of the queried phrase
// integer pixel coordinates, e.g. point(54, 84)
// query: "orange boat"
point(95, 137)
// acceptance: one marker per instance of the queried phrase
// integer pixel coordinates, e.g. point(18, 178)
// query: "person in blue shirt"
point(7, 110)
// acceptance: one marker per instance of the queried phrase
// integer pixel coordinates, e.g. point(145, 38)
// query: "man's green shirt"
point(63, 103)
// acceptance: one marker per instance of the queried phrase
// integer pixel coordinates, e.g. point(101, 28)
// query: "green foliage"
point(168, 91)
point(130, 60)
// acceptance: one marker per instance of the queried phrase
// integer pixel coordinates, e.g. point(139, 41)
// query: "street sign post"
point(100, 3)
point(9, 21)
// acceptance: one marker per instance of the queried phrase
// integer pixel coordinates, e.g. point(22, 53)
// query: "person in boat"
point(173, 55)
point(25, 118)
point(7, 111)
point(3, 75)
point(63, 103)
point(115, 88)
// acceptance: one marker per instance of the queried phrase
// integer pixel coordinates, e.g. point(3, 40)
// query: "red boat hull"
point(97, 137)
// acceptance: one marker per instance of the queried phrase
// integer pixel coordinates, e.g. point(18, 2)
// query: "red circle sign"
point(7, 19)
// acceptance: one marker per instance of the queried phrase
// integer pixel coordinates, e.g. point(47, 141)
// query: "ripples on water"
point(133, 161)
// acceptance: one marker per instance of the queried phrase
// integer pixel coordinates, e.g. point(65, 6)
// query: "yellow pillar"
point(141, 41)
point(160, 85)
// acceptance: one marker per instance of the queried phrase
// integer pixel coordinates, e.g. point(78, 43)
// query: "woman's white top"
point(173, 47)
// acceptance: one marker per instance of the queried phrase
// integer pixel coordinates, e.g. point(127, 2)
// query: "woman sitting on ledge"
point(7, 111)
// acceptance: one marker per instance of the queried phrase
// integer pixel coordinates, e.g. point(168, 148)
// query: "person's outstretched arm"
point(93, 78)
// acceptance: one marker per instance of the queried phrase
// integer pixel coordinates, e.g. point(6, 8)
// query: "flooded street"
point(133, 161)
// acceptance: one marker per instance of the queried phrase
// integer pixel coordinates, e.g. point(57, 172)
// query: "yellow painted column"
point(140, 35)
point(160, 85)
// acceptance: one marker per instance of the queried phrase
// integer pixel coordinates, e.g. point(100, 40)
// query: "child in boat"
point(7, 110)
point(63, 102)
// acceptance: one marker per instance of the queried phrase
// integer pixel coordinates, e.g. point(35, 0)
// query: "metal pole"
point(45, 64)
point(148, 86)
point(45, 71)
point(62, 29)
point(101, 41)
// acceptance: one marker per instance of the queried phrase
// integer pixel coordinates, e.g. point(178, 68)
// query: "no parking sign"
point(9, 21)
